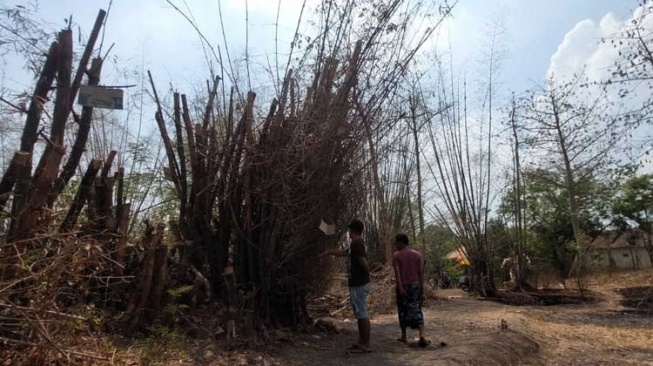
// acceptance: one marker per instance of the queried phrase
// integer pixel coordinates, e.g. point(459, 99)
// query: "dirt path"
point(600, 333)
point(603, 333)
point(469, 327)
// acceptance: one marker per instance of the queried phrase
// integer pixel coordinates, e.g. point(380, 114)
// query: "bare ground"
point(606, 331)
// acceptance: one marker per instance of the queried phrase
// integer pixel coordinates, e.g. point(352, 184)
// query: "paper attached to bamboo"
point(327, 229)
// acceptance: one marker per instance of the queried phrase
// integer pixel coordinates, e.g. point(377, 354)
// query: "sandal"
point(402, 340)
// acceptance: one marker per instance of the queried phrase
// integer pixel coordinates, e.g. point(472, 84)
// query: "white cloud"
point(582, 51)
point(576, 50)
point(582, 48)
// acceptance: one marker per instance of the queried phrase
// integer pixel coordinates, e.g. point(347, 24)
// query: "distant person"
point(359, 283)
point(409, 275)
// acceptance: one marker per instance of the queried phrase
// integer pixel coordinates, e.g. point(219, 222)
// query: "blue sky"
point(150, 34)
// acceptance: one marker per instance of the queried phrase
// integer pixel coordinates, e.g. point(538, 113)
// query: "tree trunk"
point(420, 210)
point(579, 262)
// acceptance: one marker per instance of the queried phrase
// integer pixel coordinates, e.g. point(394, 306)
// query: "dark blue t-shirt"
point(358, 276)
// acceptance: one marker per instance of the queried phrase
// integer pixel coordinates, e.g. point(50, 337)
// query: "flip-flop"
point(423, 343)
point(354, 346)
point(402, 340)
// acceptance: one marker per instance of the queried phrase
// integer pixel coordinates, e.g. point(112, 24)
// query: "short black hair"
point(402, 238)
point(356, 226)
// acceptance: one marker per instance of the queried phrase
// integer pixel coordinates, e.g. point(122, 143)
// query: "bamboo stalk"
point(79, 146)
point(183, 178)
point(30, 131)
point(80, 198)
point(20, 159)
point(39, 96)
point(62, 105)
point(86, 56)
point(122, 227)
point(167, 143)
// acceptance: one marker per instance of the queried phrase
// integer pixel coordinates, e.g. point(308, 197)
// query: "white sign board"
point(100, 97)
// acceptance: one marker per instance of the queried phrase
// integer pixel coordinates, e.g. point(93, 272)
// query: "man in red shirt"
point(409, 275)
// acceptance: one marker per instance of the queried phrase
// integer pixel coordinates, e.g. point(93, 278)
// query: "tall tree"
point(573, 131)
point(635, 203)
point(548, 232)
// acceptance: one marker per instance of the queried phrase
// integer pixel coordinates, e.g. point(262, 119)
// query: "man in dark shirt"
point(359, 283)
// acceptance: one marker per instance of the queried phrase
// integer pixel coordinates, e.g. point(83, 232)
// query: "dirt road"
point(602, 333)
point(605, 332)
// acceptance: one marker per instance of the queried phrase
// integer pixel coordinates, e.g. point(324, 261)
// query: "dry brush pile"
point(57, 263)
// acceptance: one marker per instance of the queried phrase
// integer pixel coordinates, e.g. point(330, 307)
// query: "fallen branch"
point(72, 353)
point(52, 312)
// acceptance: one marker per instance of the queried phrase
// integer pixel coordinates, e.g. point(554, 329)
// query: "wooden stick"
point(52, 312)
point(74, 353)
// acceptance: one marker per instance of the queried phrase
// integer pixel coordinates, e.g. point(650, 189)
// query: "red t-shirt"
point(410, 263)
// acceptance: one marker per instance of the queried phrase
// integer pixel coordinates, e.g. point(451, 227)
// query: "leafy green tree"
point(635, 204)
point(548, 218)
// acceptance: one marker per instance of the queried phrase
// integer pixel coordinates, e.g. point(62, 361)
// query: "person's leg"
point(365, 320)
point(403, 337)
point(355, 303)
point(364, 329)
point(419, 316)
point(401, 314)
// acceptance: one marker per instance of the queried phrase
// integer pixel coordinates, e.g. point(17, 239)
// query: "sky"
point(537, 39)
point(538, 36)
